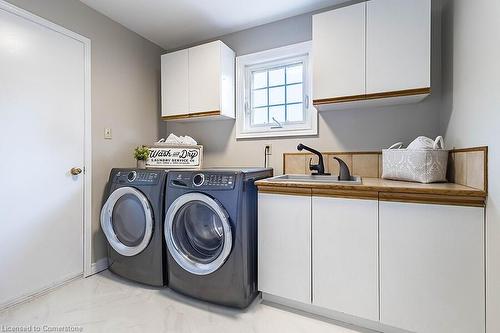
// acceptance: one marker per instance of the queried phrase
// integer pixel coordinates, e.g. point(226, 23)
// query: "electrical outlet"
point(269, 149)
point(107, 133)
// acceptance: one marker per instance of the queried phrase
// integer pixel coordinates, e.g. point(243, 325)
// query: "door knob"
point(75, 171)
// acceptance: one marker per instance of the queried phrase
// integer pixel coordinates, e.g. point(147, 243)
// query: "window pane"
point(294, 93)
point(259, 80)
point(260, 116)
point(294, 112)
point(276, 77)
point(278, 112)
point(259, 98)
point(277, 95)
point(294, 74)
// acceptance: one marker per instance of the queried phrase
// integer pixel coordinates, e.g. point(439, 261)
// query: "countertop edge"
point(414, 192)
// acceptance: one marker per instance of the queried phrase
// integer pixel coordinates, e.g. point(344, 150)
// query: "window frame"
point(265, 60)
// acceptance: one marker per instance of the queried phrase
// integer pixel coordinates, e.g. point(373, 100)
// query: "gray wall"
point(471, 111)
point(125, 90)
point(368, 129)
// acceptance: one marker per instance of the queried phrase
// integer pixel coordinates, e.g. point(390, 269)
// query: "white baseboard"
point(338, 318)
point(37, 293)
point(99, 266)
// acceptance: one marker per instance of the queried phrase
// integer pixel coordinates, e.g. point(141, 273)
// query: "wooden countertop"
point(382, 189)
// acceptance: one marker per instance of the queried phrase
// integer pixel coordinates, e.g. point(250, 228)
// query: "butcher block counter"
point(381, 189)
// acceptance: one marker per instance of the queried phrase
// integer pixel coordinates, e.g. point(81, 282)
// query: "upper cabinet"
point(339, 53)
point(198, 82)
point(372, 53)
point(174, 84)
point(398, 47)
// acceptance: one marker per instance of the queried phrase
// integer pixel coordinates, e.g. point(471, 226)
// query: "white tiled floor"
point(106, 303)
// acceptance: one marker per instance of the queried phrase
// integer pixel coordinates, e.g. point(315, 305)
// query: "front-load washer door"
point(198, 233)
point(127, 221)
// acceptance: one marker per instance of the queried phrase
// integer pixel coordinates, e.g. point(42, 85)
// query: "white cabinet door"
point(174, 83)
point(284, 246)
point(339, 52)
point(398, 45)
point(345, 255)
point(204, 77)
point(227, 82)
point(432, 267)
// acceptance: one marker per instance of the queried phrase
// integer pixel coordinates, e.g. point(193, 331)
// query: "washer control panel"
point(137, 177)
point(203, 180)
point(219, 180)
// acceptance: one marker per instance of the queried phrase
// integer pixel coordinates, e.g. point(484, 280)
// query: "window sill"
point(277, 133)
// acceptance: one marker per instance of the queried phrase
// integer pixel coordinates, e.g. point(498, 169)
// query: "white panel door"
point(204, 77)
point(284, 246)
point(432, 267)
point(345, 255)
point(174, 83)
point(42, 94)
point(339, 52)
point(398, 45)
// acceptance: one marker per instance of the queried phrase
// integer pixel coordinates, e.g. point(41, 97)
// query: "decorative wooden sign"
point(175, 156)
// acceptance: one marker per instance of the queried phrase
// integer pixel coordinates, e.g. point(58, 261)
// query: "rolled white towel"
point(423, 143)
point(187, 140)
point(178, 140)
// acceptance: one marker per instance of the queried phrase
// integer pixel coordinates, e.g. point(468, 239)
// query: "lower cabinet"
point(412, 266)
point(432, 267)
point(345, 255)
point(284, 246)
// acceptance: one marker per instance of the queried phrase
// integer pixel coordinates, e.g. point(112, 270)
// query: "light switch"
point(107, 133)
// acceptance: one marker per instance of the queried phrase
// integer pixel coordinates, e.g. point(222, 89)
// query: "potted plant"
point(141, 154)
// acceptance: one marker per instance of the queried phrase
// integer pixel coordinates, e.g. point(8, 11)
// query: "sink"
point(355, 180)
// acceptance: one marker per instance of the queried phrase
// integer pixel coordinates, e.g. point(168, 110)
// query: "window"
point(273, 89)
point(277, 94)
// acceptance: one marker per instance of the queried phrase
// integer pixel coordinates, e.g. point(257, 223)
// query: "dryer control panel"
point(203, 180)
point(137, 177)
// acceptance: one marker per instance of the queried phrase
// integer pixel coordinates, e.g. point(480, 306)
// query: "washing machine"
point(211, 234)
point(132, 221)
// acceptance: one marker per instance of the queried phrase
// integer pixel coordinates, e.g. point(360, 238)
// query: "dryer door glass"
point(127, 221)
point(198, 233)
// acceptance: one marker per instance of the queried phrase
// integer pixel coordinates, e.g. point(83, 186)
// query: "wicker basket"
point(422, 165)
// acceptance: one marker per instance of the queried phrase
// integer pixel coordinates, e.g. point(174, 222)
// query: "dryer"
point(211, 234)
point(132, 221)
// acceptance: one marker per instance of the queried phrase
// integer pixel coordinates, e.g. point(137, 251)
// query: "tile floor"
point(106, 303)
